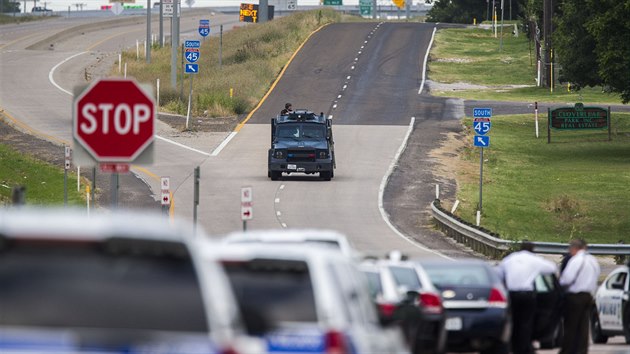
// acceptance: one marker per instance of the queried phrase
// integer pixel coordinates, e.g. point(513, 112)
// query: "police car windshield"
point(282, 289)
point(87, 286)
point(301, 131)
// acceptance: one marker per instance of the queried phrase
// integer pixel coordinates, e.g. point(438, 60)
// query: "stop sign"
point(114, 120)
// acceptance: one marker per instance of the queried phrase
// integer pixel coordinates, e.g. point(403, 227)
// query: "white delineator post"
point(536, 116)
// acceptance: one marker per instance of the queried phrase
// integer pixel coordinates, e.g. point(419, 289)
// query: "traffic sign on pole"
point(192, 44)
point(482, 141)
point(165, 183)
point(482, 112)
point(192, 54)
point(247, 209)
point(204, 27)
point(482, 125)
point(192, 68)
point(114, 120)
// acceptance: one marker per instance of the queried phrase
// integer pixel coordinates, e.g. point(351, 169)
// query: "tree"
point(9, 6)
point(457, 11)
point(190, 3)
point(610, 28)
point(574, 45)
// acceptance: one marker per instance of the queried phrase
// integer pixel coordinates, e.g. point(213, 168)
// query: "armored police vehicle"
point(301, 142)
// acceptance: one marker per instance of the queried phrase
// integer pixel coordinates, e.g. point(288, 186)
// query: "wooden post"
point(609, 125)
point(548, 125)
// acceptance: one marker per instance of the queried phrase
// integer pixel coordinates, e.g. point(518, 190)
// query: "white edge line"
point(52, 71)
point(182, 145)
point(426, 59)
point(223, 144)
point(381, 192)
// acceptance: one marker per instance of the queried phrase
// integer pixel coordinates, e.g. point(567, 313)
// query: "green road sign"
point(333, 2)
point(365, 7)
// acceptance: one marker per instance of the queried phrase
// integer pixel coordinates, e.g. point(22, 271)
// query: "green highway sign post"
point(333, 2)
point(365, 7)
point(578, 117)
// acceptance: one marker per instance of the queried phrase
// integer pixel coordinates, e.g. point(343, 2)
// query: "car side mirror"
point(617, 286)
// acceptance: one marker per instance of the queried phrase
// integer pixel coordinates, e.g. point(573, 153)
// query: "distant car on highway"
point(405, 295)
point(301, 142)
point(307, 238)
point(116, 283)
point(611, 314)
point(476, 303)
point(40, 9)
point(315, 299)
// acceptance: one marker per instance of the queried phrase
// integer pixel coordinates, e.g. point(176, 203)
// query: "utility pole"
point(147, 47)
point(161, 41)
point(263, 11)
point(174, 43)
point(547, 31)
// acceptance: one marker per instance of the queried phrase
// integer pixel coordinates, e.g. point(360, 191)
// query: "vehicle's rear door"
point(548, 296)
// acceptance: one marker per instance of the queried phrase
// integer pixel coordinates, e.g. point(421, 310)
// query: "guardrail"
point(489, 244)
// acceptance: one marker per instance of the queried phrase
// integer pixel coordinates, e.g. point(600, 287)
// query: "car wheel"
point(325, 175)
point(275, 175)
point(596, 329)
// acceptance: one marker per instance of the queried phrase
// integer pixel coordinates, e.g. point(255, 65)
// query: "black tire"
point(596, 329)
point(326, 175)
point(275, 175)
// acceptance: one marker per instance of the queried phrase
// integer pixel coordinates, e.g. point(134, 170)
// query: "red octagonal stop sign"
point(114, 120)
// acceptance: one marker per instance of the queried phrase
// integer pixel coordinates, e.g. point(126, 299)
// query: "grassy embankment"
point(253, 55)
point(7, 19)
point(43, 181)
point(473, 56)
point(577, 186)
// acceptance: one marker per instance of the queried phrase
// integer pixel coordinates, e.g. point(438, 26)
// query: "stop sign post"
point(113, 123)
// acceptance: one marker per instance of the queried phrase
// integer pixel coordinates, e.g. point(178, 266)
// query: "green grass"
point(43, 181)
point(577, 186)
point(483, 64)
point(6, 19)
point(253, 56)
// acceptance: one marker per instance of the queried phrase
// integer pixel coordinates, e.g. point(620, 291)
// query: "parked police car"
point(301, 141)
point(611, 314)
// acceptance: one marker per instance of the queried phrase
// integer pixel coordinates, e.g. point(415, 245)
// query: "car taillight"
point(386, 310)
point(335, 343)
point(431, 303)
point(497, 298)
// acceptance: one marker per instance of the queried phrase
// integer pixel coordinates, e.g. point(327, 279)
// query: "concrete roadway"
point(366, 75)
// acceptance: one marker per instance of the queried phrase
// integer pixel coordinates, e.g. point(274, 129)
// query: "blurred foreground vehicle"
point(405, 296)
point(316, 299)
point(476, 303)
point(611, 313)
point(328, 239)
point(116, 283)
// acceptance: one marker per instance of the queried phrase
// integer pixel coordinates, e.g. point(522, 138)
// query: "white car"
point(611, 315)
point(315, 299)
point(112, 283)
point(329, 239)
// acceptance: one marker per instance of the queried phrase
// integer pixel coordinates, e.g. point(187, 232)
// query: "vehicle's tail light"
point(497, 298)
point(431, 303)
point(229, 351)
point(386, 310)
point(335, 343)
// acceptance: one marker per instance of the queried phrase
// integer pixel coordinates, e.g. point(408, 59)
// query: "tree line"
point(590, 38)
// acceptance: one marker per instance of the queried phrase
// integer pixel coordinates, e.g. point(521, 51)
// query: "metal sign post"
point(165, 200)
point(220, 45)
point(67, 154)
point(197, 175)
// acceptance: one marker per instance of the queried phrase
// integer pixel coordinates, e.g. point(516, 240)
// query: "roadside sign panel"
point(168, 10)
point(165, 198)
point(114, 167)
point(192, 68)
point(247, 213)
point(333, 2)
point(249, 13)
point(204, 27)
point(247, 195)
point(192, 54)
point(114, 120)
point(291, 5)
point(365, 7)
point(482, 125)
point(482, 141)
point(482, 112)
point(192, 44)
point(247, 209)
point(165, 183)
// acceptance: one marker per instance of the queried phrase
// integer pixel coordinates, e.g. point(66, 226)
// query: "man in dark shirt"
point(288, 108)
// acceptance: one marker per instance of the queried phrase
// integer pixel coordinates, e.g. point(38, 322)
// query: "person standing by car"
point(579, 279)
point(518, 271)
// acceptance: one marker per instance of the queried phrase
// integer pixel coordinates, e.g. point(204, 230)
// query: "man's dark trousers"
point(523, 315)
point(576, 322)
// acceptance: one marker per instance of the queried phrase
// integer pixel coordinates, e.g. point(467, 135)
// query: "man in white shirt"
point(579, 279)
point(519, 271)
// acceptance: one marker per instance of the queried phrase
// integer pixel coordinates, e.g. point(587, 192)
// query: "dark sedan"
point(476, 303)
